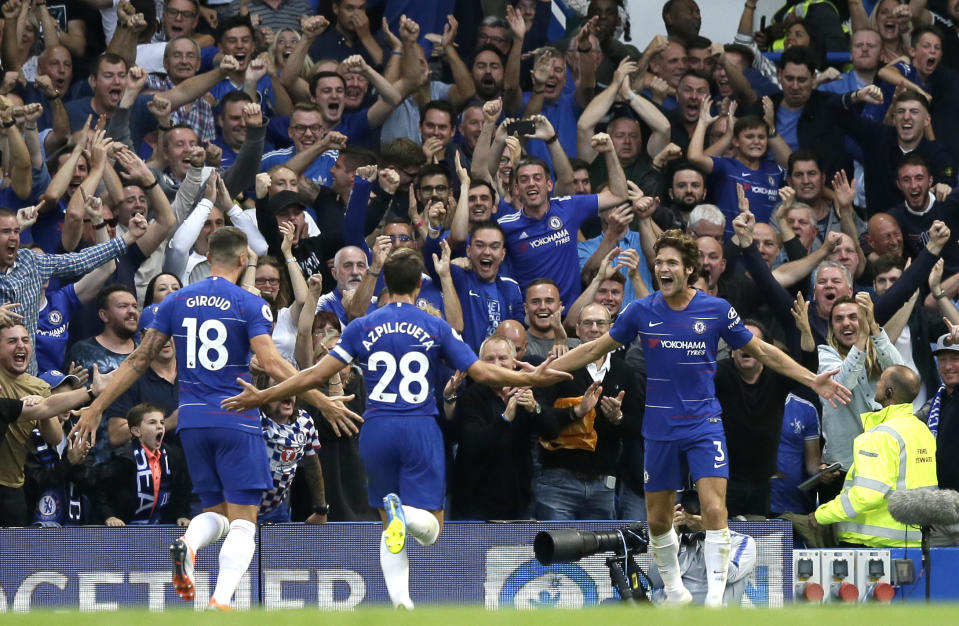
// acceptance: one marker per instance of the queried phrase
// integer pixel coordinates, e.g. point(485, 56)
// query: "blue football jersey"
point(680, 350)
point(399, 348)
point(761, 186)
point(548, 246)
point(212, 322)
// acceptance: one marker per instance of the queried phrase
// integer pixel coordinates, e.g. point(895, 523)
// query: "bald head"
point(897, 385)
point(884, 235)
point(514, 331)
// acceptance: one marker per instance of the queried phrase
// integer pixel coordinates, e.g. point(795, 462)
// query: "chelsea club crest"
point(699, 327)
point(555, 223)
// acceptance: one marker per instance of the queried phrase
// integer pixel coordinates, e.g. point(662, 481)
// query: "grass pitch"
point(872, 615)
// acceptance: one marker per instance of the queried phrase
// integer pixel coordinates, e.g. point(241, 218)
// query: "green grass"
point(873, 615)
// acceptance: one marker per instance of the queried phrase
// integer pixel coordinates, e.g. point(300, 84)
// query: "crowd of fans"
point(533, 174)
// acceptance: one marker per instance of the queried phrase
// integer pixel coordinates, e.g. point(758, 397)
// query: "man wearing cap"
point(942, 417)
point(310, 253)
point(158, 387)
point(19, 418)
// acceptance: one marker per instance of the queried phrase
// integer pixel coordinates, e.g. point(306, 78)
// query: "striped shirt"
point(24, 281)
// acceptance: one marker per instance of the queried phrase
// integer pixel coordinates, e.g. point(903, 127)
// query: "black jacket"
point(115, 493)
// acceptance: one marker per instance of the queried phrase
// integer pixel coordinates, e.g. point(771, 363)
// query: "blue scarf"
point(932, 421)
point(149, 510)
point(59, 503)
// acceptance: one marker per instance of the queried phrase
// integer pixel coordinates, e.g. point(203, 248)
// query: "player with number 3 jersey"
point(215, 325)
point(399, 348)
point(680, 329)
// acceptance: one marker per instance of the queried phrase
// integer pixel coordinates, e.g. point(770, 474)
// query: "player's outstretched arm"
point(496, 376)
point(129, 371)
point(823, 384)
point(295, 383)
point(585, 353)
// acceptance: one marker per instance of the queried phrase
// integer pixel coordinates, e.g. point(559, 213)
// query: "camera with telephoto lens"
point(570, 545)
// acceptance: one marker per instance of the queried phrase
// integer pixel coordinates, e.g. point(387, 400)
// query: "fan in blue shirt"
point(485, 297)
point(541, 238)
point(215, 325)
point(399, 348)
point(760, 177)
point(680, 329)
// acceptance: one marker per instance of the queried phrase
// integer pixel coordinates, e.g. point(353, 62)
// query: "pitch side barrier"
point(335, 567)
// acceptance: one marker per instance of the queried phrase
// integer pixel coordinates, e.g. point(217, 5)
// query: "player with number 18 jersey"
point(212, 322)
point(398, 348)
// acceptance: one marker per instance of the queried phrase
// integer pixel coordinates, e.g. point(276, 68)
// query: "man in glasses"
point(311, 140)
point(594, 409)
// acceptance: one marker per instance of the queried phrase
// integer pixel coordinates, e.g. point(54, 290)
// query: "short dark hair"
point(403, 271)
point(578, 164)
point(911, 95)
point(433, 169)
point(234, 21)
point(801, 155)
point(136, 414)
point(438, 105)
point(316, 79)
point(918, 32)
point(541, 281)
point(356, 157)
point(800, 55)
point(109, 57)
point(487, 225)
point(749, 122)
point(698, 42)
point(491, 48)
point(911, 159)
point(685, 245)
point(403, 152)
point(482, 182)
point(738, 48)
point(531, 160)
point(237, 95)
point(887, 262)
point(616, 277)
point(227, 244)
point(751, 321)
point(683, 165)
point(700, 74)
point(103, 297)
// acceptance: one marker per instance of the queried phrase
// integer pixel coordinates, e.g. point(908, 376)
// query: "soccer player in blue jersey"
point(680, 328)
point(215, 325)
point(759, 175)
point(399, 347)
point(541, 237)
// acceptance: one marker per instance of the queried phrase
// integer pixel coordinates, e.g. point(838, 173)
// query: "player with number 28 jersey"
point(398, 348)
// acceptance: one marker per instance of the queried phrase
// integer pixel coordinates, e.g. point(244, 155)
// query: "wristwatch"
point(322, 510)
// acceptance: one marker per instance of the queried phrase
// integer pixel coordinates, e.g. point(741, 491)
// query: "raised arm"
point(136, 171)
point(297, 281)
point(463, 86)
point(196, 86)
point(453, 312)
point(777, 145)
point(695, 152)
point(480, 166)
point(359, 301)
point(21, 174)
point(616, 191)
point(561, 165)
point(303, 352)
point(512, 93)
point(313, 26)
point(459, 226)
point(598, 107)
